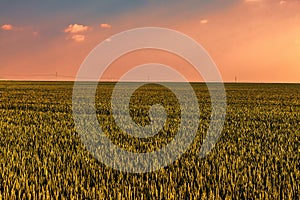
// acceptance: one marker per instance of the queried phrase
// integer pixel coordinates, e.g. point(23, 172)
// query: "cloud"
point(7, 27)
point(78, 38)
point(105, 25)
point(76, 28)
point(35, 33)
point(250, 1)
point(282, 2)
point(203, 21)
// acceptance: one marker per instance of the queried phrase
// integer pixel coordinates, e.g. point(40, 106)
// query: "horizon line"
point(148, 81)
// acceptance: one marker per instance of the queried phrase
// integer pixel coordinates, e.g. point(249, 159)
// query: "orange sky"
point(255, 40)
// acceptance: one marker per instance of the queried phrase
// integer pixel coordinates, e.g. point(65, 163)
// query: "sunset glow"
point(253, 40)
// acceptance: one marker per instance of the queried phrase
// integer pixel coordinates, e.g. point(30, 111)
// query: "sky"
point(252, 40)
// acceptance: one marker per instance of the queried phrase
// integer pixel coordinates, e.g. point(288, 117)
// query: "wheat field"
point(257, 155)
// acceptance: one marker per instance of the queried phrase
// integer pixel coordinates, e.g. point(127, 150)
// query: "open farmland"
point(256, 157)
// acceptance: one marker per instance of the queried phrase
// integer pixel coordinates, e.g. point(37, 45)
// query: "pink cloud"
point(249, 1)
point(76, 28)
point(35, 33)
point(105, 25)
point(78, 38)
point(203, 21)
point(282, 2)
point(7, 27)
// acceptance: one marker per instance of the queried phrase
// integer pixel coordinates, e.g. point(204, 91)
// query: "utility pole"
point(56, 75)
point(235, 79)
